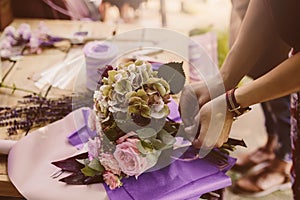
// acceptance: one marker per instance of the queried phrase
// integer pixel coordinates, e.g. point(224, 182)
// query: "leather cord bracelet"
point(233, 106)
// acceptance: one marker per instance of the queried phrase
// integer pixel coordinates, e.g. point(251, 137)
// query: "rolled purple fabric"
point(98, 54)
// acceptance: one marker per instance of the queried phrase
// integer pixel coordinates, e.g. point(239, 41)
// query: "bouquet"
point(130, 116)
point(134, 132)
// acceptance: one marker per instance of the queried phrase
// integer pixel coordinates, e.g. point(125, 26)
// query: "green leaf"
point(146, 133)
point(111, 133)
point(96, 165)
point(87, 171)
point(174, 74)
point(171, 127)
point(158, 144)
point(83, 161)
point(141, 148)
point(166, 138)
point(147, 145)
point(152, 158)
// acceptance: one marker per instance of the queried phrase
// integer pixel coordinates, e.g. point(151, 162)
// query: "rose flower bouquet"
point(130, 116)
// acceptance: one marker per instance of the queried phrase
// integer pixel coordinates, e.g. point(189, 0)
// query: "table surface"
point(21, 73)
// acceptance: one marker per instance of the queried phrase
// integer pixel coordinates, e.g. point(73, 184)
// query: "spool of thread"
point(98, 54)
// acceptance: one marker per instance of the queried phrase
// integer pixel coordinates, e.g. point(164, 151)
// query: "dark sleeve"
point(286, 15)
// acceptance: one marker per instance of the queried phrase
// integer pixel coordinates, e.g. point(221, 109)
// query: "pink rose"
point(111, 180)
point(110, 163)
point(123, 138)
point(129, 158)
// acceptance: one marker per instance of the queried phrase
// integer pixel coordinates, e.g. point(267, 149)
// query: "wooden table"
point(21, 74)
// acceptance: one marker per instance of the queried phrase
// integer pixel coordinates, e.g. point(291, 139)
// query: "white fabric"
point(30, 168)
point(63, 74)
point(6, 145)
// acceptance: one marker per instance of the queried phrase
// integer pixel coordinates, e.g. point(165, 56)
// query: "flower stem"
point(9, 70)
point(14, 88)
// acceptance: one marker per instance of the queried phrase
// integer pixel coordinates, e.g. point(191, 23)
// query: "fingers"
point(193, 130)
point(189, 105)
point(205, 131)
point(192, 98)
point(201, 131)
point(209, 132)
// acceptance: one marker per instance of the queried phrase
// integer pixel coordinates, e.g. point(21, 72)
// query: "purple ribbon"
point(82, 135)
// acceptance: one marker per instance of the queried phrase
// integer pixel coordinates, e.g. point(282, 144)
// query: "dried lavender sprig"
point(34, 111)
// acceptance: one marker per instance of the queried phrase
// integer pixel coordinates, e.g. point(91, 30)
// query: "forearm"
point(281, 81)
point(255, 39)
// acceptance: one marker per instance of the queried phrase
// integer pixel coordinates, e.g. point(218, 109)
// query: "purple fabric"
point(174, 113)
point(155, 65)
point(82, 135)
point(180, 180)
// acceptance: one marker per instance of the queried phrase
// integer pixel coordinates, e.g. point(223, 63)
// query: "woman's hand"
point(192, 98)
point(211, 125)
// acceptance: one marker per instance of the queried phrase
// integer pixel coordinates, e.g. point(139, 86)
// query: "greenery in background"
point(223, 43)
point(223, 46)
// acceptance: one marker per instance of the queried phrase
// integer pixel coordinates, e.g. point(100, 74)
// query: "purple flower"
point(10, 31)
point(26, 35)
point(5, 53)
point(5, 44)
point(93, 148)
point(34, 42)
point(43, 29)
point(11, 40)
point(24, 29)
